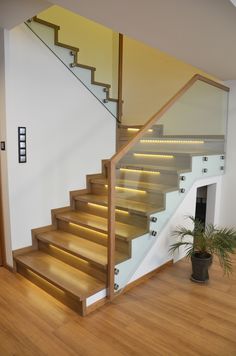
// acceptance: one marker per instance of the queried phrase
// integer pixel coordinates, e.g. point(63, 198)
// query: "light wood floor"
point(167, 315)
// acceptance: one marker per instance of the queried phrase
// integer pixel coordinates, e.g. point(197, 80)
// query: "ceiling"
point(199, 32)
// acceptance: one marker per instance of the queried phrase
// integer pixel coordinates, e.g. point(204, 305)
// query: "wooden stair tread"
point(86, 249)
point(79, 284)
point(100, 224)
point(137, 184)
point(124, 204)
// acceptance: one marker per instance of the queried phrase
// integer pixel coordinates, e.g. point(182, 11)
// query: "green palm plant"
point(206, 241)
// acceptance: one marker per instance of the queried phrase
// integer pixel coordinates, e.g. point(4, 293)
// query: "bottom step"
point(64, 282)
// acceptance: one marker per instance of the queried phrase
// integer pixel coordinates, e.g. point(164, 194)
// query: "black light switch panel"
point(22, 144)
point(3, 146)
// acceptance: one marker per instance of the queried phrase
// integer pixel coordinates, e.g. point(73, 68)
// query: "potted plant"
point(204, 242)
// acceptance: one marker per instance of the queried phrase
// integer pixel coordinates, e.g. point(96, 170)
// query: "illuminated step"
point(131, 129)
point(77, 246)
point(142, 171)
point(94, 205)
point(125, 189)
point(150, 167)
point(134, 186)
point(100, 224)
point(101, 201)
point(153, 155)
point(60, 274)
point(173, 141)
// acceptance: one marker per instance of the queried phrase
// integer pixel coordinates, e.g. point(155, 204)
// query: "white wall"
point(227, 214)
point(3, 156)
point(158, 255)
point(68, 133)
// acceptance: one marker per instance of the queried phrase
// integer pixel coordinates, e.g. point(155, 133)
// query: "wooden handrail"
point(161, 112)
point(116, 158)
point(120, 78)
point(111, 168)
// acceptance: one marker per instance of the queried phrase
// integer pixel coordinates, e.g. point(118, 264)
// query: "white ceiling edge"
point(201, 33)
point(14, 12)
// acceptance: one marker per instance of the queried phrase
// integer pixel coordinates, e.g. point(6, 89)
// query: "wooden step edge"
point(84, 66)
point(139, 187)
point(92, 228)
point(76, 254)
point(46, 23)
point(64, 45)
point(60, 216)
point(80, 296)
point(42, 229)
point(49, 280)
point(91, 176)
point(150, 211)
point(56, 211)
point(112, 99)
point(161, 169)
point(101, 84)
point(75, 193)
point(79, 306)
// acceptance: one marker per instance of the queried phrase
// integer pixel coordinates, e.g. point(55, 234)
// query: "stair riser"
point(64, 297)
point(162, 178)
point(178, 161)
point(79, 263)
point(121, 245)
point(124, 217)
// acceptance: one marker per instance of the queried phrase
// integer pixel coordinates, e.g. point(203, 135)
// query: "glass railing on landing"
point(48, 34)
point(150, 176)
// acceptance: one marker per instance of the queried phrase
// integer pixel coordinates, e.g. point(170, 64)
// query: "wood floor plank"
point(168, 315)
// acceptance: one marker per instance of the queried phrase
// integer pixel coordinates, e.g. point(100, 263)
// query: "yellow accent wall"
point(150, 78)
point(98, 45)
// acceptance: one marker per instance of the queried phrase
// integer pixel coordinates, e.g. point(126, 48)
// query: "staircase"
point(69, 258)
point(48, 33)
